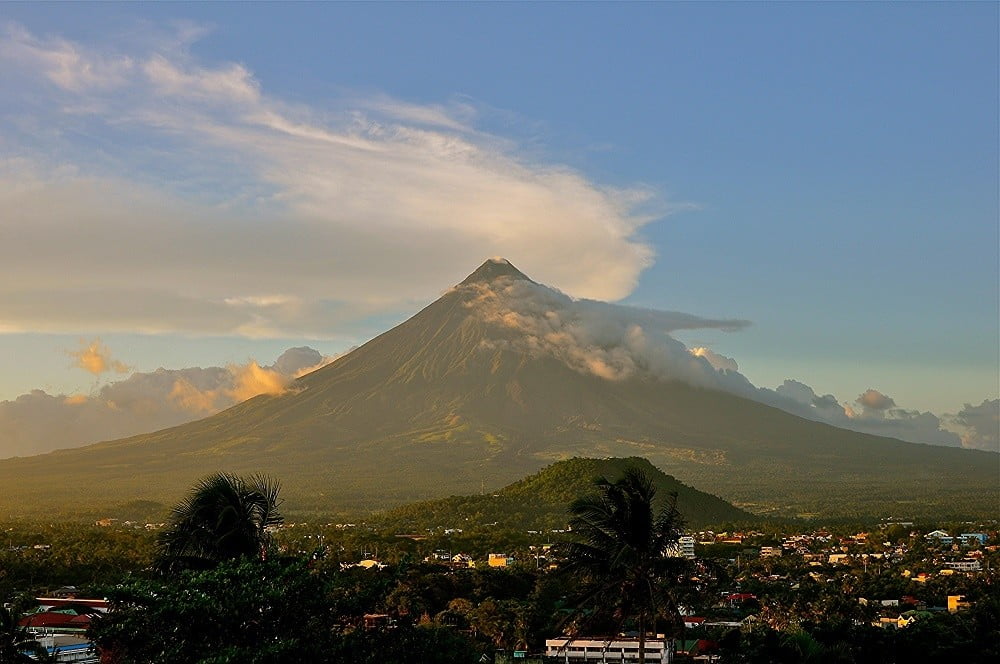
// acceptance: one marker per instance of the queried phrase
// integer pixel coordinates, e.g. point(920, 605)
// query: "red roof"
point(54, 620)
point(740, 597)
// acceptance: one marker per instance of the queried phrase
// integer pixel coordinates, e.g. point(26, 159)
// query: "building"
point(770, 552)
point(500, 560)
point(964, 565)
point(939, 536)
point(682, 548)
point(592, 649)
point(956, 603)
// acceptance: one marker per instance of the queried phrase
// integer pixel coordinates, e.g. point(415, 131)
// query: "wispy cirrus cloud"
point(143, 174)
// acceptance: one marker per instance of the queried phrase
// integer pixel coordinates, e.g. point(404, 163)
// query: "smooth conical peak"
point(492, 269)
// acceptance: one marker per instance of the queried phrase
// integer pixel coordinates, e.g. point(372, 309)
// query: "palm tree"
point(620, 553)
point(223, 518)
point(17, 644)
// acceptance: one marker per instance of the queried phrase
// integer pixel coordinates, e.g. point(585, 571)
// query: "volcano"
point(460, 398)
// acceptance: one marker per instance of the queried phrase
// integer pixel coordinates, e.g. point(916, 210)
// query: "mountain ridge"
point(454, 398)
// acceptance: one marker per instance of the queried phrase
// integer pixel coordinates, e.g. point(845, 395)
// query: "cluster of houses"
point(59, 624)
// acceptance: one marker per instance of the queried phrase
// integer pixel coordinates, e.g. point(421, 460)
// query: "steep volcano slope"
point(440, 405)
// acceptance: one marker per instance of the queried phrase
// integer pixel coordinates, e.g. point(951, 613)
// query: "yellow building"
point(500, 560)
point(956, 603)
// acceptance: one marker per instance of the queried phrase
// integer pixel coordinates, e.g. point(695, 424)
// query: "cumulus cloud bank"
point(980, 425)
point(39, 422)
point(619, 342)
point(244, 214)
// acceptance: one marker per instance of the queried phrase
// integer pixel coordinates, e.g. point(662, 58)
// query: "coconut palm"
point(620, 553)
point(223, 518)
point(17, 644)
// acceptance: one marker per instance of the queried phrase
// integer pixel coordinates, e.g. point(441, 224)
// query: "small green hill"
point(540, 501)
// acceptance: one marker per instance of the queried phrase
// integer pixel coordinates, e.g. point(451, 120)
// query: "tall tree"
point(621, 553)
point(225, 517)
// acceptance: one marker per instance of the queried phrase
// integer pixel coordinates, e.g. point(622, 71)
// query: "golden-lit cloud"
point(145, 401)
point(96, 358)
point(251, 380)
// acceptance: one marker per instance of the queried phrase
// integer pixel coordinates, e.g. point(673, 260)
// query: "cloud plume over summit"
point(266, 218)
point(617, 342)
point(611, 341)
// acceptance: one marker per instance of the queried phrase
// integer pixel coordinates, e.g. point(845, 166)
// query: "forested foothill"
point(225, 579)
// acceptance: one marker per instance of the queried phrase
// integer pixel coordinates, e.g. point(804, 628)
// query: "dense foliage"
point(619, 554)
point(240, 611)
point(306, 600)
point(225, 517)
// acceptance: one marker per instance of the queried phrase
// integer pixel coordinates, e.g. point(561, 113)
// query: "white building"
point(964, 565)
point(684, 548)
point(587, 649)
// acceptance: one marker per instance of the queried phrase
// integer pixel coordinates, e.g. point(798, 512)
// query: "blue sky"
point(309, 174)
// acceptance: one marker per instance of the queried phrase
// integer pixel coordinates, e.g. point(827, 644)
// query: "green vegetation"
point(618, 555)
point(445, 615)
point(225, 517)
point(242, 610)
point(538, 502)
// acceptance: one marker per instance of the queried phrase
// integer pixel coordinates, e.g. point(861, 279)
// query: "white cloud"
point(718, 362)
point(619, 343)
point(874, 402)
point(611, 341)
point(228, 211)
point(980, 425)
point(63, 63)
point(232, 83)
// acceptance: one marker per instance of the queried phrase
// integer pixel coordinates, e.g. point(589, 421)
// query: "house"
point(967, 565)
point(462, 560)
point(972, 539)
point(956, 603)
point(53, 622)
point(583, 650)
point(500, 560)
point(939, 536)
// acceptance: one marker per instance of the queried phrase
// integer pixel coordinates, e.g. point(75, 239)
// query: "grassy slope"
point(540, 501)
